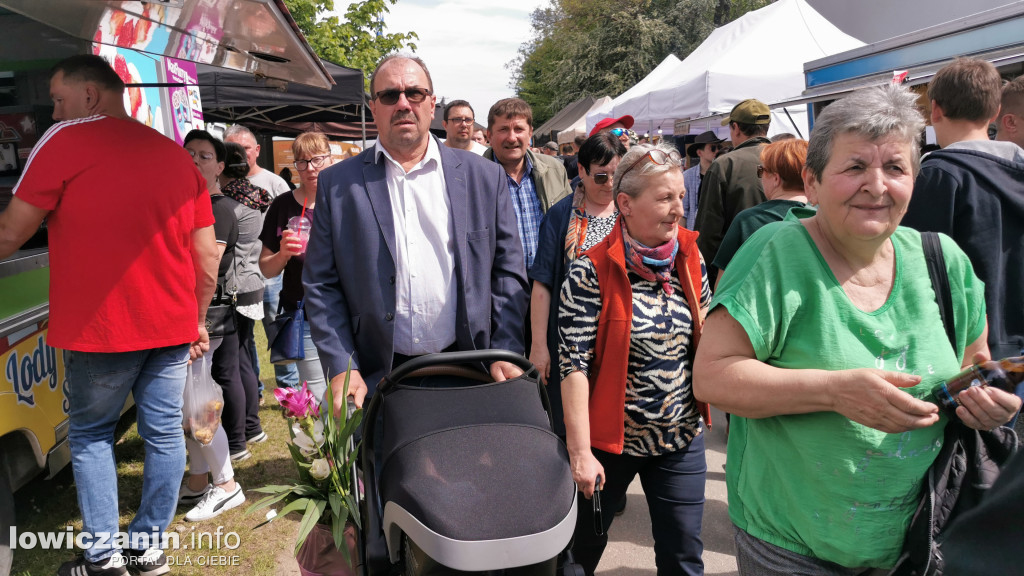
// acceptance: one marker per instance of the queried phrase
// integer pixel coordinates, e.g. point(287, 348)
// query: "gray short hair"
point(630, 181)
point(238, 130)
point(873, 113)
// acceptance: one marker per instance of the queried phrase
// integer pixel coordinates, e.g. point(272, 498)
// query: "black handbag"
point(220, 316)
point(285, 336)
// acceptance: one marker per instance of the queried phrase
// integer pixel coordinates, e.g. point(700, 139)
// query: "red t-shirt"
point(123, 202)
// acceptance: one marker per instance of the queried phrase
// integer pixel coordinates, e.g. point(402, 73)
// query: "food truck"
point(914, 58)
point(154, 46)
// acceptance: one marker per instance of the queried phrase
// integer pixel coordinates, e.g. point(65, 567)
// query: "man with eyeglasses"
point(459, 122)
point(133, 267)
point(705, 147)
point(414, 249)
point(730, 184)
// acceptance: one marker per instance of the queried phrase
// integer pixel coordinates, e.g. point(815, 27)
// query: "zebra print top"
point(660, 413)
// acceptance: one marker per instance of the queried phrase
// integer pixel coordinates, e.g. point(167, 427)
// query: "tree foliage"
point(603, 47)
point(358, 40)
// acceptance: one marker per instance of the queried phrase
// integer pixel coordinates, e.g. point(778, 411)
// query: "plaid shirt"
point(691, 179)
point(528, 211)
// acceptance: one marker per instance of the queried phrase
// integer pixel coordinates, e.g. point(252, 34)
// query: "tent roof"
point(579, 125)
point(759, 55)
point(564, 118)
point(233, 96)
point(660, 76)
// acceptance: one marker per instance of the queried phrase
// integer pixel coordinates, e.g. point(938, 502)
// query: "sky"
point(466, 44)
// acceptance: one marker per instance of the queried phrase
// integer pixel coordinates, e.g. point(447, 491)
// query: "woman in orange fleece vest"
point(629, 320)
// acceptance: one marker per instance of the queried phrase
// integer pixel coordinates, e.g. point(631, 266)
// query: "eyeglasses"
point(458, 120)
point(619, 132)
point(202, 155)
point(601, 178)
point(760, 171)
point(657, 156)
point(413, 95)
point(316, 161)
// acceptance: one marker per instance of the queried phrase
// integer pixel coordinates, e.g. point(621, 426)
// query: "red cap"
point(626, 121)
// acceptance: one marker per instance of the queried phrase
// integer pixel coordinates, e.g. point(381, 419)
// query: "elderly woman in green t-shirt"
point(824, 341)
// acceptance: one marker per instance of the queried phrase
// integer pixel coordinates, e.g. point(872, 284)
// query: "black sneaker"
point(150, 562)
point(112, 566)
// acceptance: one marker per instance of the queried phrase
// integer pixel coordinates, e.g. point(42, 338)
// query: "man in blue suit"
point(414, 248)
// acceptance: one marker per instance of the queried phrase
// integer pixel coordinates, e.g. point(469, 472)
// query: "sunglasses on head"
point(413, 95)
point(657, 156)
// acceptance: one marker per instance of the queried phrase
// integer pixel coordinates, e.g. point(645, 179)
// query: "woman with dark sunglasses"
point(571, 226)
point(630, 316)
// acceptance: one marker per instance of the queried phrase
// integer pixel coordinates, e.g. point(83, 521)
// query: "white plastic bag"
point(204, 401)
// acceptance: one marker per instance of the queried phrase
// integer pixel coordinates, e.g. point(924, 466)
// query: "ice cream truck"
point(154, 46)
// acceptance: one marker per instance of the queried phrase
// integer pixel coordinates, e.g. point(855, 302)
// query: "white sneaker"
point(189, 497)
point(217, 500)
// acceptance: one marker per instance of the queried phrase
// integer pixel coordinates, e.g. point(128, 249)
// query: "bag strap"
point(940, 282)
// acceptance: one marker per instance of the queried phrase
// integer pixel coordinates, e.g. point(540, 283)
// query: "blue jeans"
point(674, 486)
point(100, 384)
point(287, 375)
point(309, 369)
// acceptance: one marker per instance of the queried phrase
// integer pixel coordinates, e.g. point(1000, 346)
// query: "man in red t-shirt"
point(133, 267)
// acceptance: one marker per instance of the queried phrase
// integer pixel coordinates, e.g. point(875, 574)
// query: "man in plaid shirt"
point(535, 181)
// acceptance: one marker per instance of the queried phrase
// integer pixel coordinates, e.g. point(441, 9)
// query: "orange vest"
point(607, 404)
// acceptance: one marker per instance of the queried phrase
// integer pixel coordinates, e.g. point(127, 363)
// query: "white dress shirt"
point(424, 254)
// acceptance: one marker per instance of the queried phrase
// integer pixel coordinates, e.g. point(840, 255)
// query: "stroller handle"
point(456, 358)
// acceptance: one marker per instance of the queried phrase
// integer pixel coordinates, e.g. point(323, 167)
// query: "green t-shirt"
point(819, 484)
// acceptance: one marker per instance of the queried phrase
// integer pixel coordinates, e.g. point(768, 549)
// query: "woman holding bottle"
point(824, 342)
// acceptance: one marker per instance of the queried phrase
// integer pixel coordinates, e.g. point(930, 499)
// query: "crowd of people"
point(783, 281)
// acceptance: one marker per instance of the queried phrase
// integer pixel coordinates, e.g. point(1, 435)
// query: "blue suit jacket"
point(349, 271)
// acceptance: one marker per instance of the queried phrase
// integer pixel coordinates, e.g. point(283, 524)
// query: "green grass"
point(51, 505)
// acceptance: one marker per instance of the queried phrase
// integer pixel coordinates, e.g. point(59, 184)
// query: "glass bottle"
point(1004, 374)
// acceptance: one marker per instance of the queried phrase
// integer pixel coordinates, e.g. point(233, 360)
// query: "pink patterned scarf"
point(654, 264)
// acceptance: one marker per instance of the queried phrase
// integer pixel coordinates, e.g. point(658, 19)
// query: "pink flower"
point(297, 403)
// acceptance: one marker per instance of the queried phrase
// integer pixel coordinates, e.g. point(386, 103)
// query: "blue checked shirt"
point(528, 211)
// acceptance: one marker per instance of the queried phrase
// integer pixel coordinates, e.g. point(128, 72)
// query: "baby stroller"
point(463, 474)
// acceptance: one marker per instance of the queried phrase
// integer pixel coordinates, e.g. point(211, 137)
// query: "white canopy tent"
point(579, 126)
point(759, 55)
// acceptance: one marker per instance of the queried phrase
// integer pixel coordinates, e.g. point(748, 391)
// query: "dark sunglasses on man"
point(619, 131)
point(413, 95)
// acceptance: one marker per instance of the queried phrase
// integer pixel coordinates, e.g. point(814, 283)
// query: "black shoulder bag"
point(220, 316)
point(965, 468)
